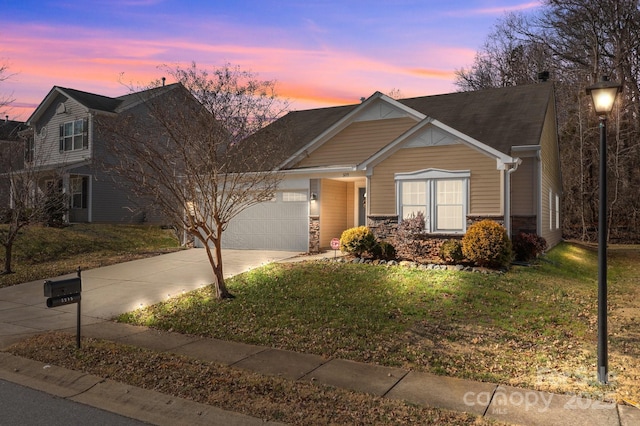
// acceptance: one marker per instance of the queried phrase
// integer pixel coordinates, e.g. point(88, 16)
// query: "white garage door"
point(281, 224)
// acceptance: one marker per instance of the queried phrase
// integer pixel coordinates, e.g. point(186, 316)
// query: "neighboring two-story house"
point(11, 155)
point(68, 151)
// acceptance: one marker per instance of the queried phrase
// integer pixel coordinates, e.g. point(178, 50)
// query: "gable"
point(377, 108)
point(357, 142)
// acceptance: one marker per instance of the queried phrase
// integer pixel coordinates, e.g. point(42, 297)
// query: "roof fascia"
point(344, 122)
point(45, 104)
point(397, 144)
point(141, 98)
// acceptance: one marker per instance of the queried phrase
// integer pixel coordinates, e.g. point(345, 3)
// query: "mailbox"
point(62, 287)
point(65, 292)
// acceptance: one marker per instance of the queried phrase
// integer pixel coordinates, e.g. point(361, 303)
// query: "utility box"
point(70, 286)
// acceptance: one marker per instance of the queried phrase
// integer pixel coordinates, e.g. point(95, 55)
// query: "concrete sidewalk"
point(140, 283)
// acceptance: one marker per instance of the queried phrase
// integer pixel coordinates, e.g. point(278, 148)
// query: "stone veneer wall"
point(527, 224)
point(314, 234)
point(383, 227)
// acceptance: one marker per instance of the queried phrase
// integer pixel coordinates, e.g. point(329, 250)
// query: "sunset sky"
point(321, 52)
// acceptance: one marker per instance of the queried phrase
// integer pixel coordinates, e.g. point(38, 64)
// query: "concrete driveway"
point(115, 289)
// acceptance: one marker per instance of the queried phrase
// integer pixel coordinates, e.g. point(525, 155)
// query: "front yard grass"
point(533, 327)
point(43, 252)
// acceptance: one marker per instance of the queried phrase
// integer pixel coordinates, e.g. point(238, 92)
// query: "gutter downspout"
point(509, 168)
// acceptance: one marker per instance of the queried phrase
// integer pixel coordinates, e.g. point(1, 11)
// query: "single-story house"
point(457, 158)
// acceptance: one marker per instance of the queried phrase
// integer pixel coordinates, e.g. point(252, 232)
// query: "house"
point(68, 151)
point(11, 155)
point(458, 158)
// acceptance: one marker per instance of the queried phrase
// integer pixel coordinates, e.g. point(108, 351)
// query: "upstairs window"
point(74, 135)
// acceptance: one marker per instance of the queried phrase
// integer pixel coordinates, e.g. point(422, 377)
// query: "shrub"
point(527, 246)
point(357, 241)
point(451, 251)
point(407, 236)
point(387, 250)
point(486, 243)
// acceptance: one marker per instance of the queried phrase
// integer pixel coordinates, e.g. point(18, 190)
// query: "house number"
point(345, 175)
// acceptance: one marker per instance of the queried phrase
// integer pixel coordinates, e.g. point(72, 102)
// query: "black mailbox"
point(62, 287)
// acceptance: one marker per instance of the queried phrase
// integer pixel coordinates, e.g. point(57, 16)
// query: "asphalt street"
point(20, 405)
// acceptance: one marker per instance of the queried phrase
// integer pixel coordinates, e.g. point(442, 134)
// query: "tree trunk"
point(216, 264)
point(8, 248)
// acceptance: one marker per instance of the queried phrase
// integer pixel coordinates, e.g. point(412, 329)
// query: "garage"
point(279, 224)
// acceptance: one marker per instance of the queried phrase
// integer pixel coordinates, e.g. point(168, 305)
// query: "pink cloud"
point(100, 61)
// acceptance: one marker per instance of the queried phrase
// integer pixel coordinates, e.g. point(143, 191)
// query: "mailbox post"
point(65, 292)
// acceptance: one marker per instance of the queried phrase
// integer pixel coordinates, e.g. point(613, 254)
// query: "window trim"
point(63, 137)
point(84, 188)
point(431, 177)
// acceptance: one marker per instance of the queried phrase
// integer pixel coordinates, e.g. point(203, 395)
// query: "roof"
point(10, 129)
point(95, 102)
point(499, 118)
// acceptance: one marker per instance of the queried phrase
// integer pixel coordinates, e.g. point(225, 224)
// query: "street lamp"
point(603, 94)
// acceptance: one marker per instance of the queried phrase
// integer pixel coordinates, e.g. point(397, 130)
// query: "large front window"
point(74, 135)
point(441, 196)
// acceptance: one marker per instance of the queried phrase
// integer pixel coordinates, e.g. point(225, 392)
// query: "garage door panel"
point(271, 226)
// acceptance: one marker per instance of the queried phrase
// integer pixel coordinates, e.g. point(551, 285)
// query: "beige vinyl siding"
point(357, 142)
point(333, 210)
point(523, 185)
point(350, 212)
point(484, 183)
point(551, 180)
point(47, 148)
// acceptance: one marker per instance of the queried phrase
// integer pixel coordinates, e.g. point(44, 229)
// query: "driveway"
point(115, 289)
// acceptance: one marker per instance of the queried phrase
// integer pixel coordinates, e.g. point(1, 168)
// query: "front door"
point(362, 206)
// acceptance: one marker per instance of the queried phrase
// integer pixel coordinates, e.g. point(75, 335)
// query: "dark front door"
point(362, 206)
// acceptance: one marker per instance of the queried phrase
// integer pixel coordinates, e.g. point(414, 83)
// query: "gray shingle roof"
point(500, 118)
point(92, 101)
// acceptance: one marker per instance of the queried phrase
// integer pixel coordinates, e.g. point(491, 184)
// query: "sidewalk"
point(503, 403)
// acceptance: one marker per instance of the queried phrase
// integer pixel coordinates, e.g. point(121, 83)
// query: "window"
point(449, 205)
point(292, 196)
point(78, 192)
point(29, 147)
point(557, 206)
point(440, 195)
point(74, 135)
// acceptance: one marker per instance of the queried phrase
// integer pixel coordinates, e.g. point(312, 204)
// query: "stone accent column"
point(314, 234)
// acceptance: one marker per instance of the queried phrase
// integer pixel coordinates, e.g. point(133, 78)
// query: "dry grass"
point(533, 327)
point(265, 397)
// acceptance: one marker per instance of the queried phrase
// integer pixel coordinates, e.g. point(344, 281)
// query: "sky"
point(320, 52)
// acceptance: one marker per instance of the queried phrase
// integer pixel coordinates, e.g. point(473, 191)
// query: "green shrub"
point(451, 251)
point(357, 241)
point(527, 246)
point(486, 243)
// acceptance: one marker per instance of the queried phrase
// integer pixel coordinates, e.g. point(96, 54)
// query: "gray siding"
point(47, 143)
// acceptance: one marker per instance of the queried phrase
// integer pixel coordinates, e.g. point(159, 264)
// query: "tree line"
point(577, 42)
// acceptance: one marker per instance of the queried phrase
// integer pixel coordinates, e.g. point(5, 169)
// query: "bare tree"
point(5, 99)
point(33, 199)
point(192, 152)
point(578, 41)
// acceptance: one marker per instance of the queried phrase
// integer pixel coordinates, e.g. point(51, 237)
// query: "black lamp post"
point(603, 94)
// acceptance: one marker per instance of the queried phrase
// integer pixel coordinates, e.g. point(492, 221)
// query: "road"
point(20, 405)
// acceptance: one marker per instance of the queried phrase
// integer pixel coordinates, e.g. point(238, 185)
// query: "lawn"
point(45, 252)
point(532, 326)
